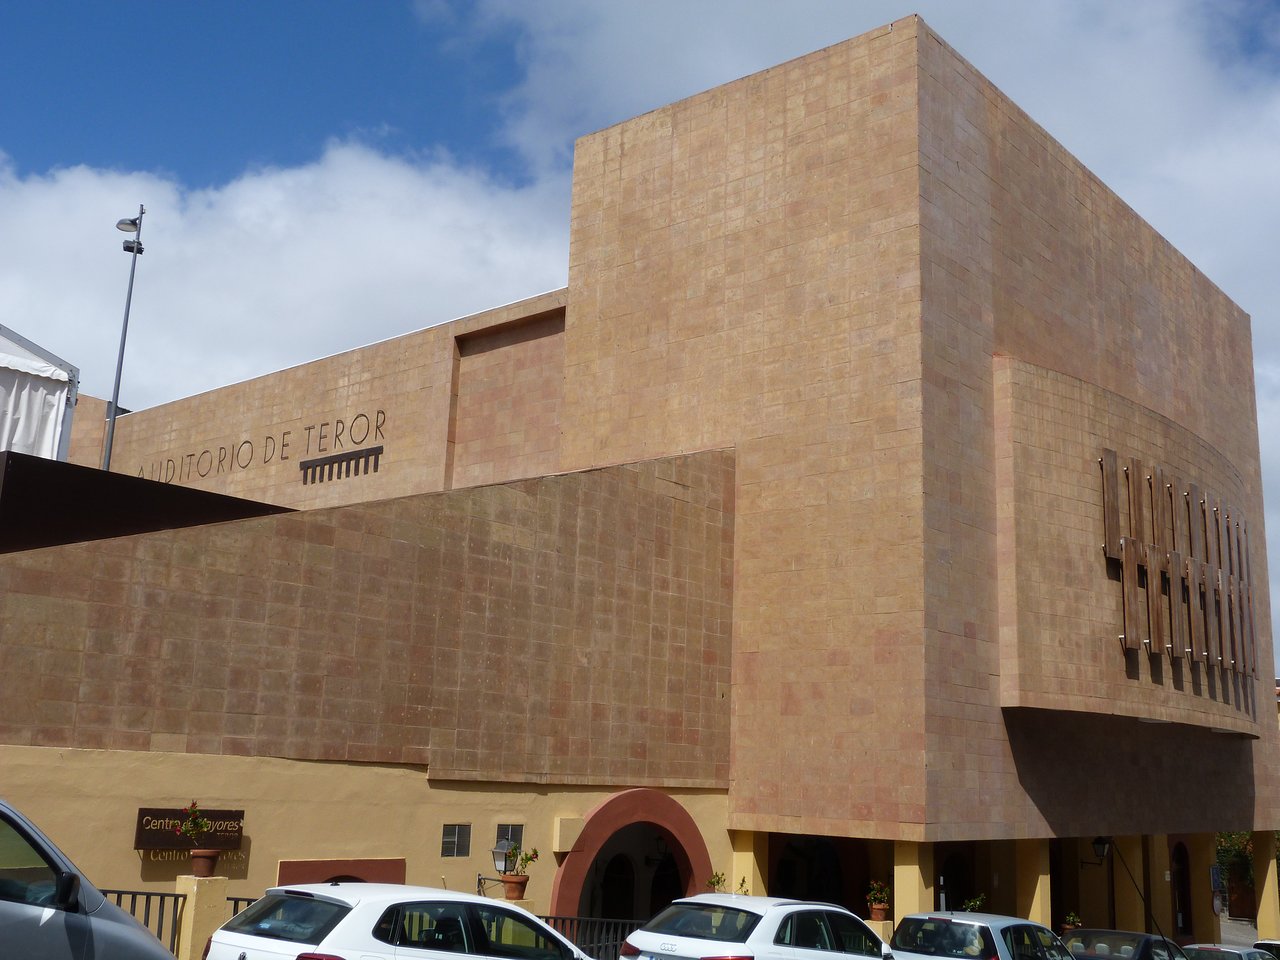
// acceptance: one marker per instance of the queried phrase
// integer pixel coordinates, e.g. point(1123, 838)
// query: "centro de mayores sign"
point(1184, 557)
point(157, 829)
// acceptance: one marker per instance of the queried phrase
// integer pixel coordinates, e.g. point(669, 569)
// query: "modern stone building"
point(879, 500)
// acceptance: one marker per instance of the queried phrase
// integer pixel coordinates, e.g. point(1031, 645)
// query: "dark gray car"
point(50, 911)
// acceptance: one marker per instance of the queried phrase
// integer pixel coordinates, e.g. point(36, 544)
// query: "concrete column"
point(1031, 880)
point(1160, 876)
point(912, 877)
point(750, 850)
point(1131, 910)
point(1265, 884)
point(205, 911)
point(1202, 854)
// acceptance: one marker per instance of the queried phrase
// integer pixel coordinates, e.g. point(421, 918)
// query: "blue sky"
point(206, 91)
point(321, 175)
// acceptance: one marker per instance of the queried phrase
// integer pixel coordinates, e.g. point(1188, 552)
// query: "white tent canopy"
point(37, 397)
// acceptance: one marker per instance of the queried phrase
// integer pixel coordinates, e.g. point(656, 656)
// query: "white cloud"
point(275, 268)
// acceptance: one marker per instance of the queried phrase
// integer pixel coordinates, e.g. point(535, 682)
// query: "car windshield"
point(1104, 943)
point(943, 937)
point(292, 917)
point(706, 921)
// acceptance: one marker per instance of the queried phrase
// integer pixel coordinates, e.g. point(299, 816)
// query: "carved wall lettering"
point(330, 436)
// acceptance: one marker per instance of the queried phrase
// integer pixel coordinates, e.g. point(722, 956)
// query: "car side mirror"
point(66, 891)
point(885, 952)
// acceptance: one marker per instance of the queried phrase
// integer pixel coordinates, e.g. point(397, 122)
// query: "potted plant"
point(194, 826)
point(878, 900)
point(516, 878)
point(1070, 922)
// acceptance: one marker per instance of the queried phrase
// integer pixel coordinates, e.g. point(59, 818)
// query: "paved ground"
point(1238, 932)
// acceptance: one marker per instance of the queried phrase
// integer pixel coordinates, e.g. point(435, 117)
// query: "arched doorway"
point(638, 850)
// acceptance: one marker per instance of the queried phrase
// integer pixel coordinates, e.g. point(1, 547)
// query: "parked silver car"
point(1121, 945)
point(954, 935)
point(48, 910)
point(1224, 951)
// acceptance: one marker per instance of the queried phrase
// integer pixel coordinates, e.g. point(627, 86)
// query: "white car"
point(383, 921)
point(752, 928)
point(956, 935)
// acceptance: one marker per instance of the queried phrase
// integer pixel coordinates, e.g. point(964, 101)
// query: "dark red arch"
point(611, 815)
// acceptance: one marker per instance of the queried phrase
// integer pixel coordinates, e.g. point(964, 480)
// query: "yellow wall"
point(86, 801)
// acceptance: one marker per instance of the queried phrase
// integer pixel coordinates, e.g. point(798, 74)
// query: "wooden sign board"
point(157, 829)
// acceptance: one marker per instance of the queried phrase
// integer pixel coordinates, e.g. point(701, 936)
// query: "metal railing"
point(239, 903)
point(601, 939)
point(161, 913)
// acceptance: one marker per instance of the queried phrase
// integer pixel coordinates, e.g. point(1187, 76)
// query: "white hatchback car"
point(382, 921)
point(955, 935)
point(731, 927)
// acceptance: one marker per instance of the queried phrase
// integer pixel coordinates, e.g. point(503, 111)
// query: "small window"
point(442, 927)
point(1021, 941)
point(24, 875)
point(1050, 946)
point(455, 840)
point(852, 935)
point(809, 931)
point(518, 937)
point(513, 832)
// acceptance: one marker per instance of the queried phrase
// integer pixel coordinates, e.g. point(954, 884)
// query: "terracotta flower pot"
point(203, 862)
point(878, 911)
point(513, 885)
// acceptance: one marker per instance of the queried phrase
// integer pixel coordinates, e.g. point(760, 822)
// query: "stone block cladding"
point(570, 629)
point(1056, 322)
point(744, 269)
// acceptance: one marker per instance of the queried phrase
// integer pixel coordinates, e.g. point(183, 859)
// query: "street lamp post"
point(132, 246)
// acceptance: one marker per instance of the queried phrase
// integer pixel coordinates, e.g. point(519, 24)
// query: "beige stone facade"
point(794, 495)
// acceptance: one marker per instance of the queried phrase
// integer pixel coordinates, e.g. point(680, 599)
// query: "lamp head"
point(128, 225)
point(500, 853)
point(1101, 846)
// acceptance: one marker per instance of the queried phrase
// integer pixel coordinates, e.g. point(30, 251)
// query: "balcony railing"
point(161, 913)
